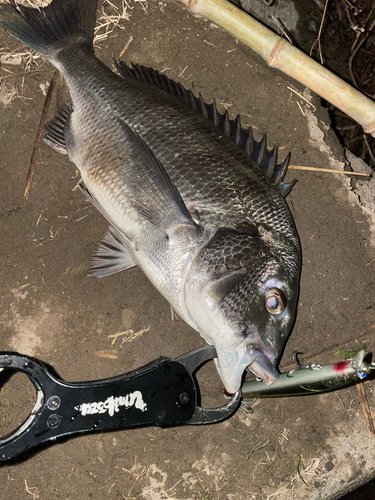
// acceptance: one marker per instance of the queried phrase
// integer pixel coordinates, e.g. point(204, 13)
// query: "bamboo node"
point(273, 56)
point(190, 4)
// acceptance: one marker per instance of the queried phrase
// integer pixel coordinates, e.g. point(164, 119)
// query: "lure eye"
point(274, 301)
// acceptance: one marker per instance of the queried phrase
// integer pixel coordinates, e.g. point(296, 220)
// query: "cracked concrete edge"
point(345, 464)
point(351, 454)
point(359, 192)
point(352, 486)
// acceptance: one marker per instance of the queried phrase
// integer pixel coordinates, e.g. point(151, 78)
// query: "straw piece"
point(329, 170)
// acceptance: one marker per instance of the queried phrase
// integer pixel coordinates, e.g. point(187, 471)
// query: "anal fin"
point(113, 255)
point(115, 251)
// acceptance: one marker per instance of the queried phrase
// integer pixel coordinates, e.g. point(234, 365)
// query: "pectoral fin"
point(154, 195)
point(113, 255)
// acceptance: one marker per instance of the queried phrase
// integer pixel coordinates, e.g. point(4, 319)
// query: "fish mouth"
point(232, 363)
point(263, 368)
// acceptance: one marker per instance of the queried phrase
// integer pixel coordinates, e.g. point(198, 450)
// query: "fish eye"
point(274, 301)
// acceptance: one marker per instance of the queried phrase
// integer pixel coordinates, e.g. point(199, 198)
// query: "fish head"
point(242, 296)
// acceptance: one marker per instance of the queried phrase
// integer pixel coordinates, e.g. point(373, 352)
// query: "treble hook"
point(245, 406)
point(310, 366)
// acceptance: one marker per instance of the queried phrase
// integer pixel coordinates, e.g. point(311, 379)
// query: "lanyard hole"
point(18, 398)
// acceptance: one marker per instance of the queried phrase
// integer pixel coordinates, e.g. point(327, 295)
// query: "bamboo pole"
point(279, 53)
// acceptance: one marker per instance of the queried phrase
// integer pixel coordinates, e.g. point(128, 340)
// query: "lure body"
point(311, 379)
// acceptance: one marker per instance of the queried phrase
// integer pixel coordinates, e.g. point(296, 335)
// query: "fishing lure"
point(311, 379)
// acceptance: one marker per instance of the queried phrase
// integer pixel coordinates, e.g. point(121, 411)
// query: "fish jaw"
point(263, 368)
point(232, 362)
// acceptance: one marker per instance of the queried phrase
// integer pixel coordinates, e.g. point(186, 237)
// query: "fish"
point(190, 196)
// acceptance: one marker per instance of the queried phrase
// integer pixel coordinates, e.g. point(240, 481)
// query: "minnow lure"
point(311, 379)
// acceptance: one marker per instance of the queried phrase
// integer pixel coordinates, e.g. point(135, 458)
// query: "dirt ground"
point(50, 309)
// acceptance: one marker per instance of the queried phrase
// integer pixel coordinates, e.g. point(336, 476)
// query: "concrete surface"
point(50, 309)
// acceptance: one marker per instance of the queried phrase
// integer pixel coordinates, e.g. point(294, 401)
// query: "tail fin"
point(47, 29)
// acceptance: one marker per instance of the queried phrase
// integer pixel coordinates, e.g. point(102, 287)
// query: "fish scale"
point(191, 198)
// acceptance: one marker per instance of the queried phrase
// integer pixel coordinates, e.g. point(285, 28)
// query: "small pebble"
point(312, 25)
point(128, 317)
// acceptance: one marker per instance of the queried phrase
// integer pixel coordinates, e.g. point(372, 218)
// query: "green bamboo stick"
point(279, 53)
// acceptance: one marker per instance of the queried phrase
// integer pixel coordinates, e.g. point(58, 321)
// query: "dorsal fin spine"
point(285, 187)
point(271, 162)
point(262, 150)
point(279, 174)
point(192, 101)
point(227, 127)
point(238, 129)
point(257, 151)
point(215, 114)
point(202, 106)
point(250, 143)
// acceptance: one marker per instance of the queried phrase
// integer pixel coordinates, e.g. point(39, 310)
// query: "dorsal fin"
point(256, 150)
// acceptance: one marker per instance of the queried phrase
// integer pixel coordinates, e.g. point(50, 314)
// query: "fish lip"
point(232, 363)
point(263, 362)
point(263, 367)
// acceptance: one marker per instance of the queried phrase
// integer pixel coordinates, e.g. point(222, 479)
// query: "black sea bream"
point(190, 196)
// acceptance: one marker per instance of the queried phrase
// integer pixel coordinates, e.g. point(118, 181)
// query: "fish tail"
point(47, 30)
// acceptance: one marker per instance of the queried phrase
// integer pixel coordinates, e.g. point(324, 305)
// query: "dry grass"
point(7, 94)
point(15, 58)
point(111, 17)
point(128, 335)
point(37, 4)
point(309, 473)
